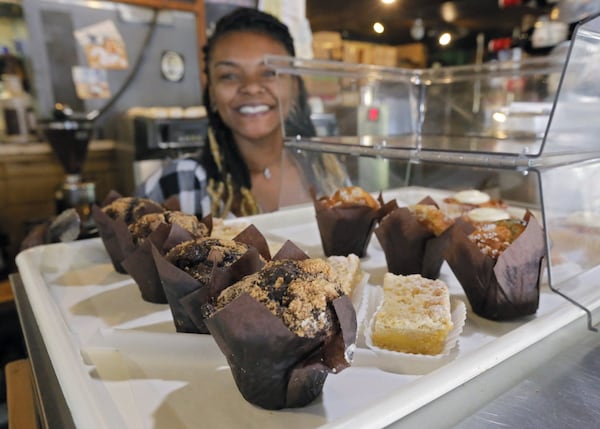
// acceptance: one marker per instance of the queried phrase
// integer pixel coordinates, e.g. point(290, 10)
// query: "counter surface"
point(37, 148)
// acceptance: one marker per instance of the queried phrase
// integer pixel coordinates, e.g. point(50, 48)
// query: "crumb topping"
point(431, 217)
point(148, 223)
point(298, 292)
point(198, 257)
point(130, 209)
point(351, 195)
point(494, 238)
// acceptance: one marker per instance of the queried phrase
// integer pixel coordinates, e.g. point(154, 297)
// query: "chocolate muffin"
point(298, 292)
point(112, 220)
point(283, 329)
point(148, 223)
point(198, 257)
point(130, 209)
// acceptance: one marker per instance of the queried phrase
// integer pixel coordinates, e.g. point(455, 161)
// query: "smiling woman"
point(244, 166)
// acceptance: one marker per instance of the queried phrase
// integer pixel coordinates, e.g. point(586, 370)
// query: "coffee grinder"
point(69, 137)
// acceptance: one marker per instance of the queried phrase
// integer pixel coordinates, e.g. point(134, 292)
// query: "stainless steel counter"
point(563, 392)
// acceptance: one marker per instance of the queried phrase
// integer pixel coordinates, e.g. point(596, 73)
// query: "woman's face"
point(244, 90)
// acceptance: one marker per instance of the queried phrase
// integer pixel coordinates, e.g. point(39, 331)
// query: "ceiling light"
point(378, 27)
point(388, 1)
point(448, 11)
point(445, 38)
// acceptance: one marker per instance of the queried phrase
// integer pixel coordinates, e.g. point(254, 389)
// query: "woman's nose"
point(252, 86)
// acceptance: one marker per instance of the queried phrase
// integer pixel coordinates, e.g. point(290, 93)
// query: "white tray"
point(121, 364)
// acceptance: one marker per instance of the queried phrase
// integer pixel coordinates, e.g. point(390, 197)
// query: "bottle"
point(535, 39)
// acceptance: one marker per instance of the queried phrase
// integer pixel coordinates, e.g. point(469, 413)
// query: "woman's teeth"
point(252, 110)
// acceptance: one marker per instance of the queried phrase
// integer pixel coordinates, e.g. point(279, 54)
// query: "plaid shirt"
point(183, 177)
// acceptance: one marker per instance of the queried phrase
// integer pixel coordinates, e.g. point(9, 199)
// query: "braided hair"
point(228, 175)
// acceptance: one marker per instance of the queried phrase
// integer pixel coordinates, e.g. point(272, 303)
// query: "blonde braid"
point(222, 193)
point(248, 205)
point(215, 191)
point(229, 200)
point(214, 148)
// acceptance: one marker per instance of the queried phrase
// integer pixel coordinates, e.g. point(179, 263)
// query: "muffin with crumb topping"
point(191, 266)
point(346, 220)
point(161, 230)
point(283, 329)
point(413, 238)
point(498, 265)
point(142, 228)
point(297, 292)
point(113, 220)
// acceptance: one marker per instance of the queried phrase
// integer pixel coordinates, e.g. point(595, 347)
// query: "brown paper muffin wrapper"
point(140, 263)
point(346, 228)
point(115, 233)
point(177, 284)
point(409, 247)
point(502, 289)
point(273, 367)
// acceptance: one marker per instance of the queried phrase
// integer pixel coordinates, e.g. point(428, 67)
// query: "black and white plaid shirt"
point(184, 177)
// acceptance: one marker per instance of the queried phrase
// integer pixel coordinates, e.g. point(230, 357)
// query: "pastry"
point(348, 269)
point(461, 202)
point(148, 223)
point(487, 214)
point(498, 264)
point(298, 292)
point(431, 217)
point(413, 238)
point(112, 220)
point(351, 195)
point(130, 209)
point(346, 221)
point(195, 271)
point(493, 238)
point(198, 257)
point(414, 316)
point(283, 329)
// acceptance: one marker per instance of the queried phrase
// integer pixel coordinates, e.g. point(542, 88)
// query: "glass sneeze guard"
point(532, 124)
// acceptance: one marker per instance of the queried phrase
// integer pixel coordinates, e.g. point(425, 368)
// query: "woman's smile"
point(256, 109)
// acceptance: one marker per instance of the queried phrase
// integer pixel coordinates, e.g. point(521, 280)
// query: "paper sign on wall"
point(90, 83)
point(103, 46)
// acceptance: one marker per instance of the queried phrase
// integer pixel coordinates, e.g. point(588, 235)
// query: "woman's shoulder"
point(173, 177)
point(181, 164)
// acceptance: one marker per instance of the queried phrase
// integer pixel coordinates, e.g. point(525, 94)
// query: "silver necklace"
point(267, 173)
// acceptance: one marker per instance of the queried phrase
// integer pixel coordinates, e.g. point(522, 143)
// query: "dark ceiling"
point(466, 18)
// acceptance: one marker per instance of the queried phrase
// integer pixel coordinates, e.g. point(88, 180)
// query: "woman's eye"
point(269, 73)
point(228, 76)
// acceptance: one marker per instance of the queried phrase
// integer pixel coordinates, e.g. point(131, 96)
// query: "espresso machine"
point(69, 135)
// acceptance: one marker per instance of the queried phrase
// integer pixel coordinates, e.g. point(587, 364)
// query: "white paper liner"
point(411, 363)
point(361, 307)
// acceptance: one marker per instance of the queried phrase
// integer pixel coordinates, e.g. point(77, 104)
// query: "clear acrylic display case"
point(526, 132)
